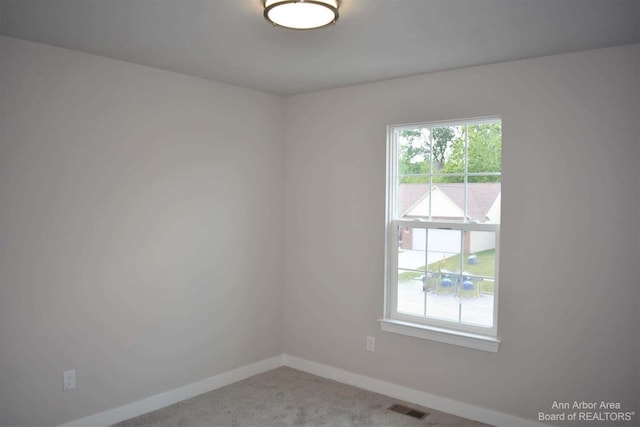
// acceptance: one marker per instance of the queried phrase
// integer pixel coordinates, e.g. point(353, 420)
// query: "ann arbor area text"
point(585, 405)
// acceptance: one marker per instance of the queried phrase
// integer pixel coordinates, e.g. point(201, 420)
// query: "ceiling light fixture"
point(301, 14)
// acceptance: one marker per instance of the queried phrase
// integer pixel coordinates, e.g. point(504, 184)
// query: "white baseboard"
point(152, 403)
point(498, 419)
point(158, 401)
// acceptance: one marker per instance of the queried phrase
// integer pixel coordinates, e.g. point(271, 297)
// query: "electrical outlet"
point(371, 344)
point(69, 380)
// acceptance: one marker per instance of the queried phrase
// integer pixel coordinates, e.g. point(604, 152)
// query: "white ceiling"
point(229, 40)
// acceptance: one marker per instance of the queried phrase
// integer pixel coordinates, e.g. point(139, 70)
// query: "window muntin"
point(444, 197)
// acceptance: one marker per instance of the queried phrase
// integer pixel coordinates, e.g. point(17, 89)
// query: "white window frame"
point(466, 335)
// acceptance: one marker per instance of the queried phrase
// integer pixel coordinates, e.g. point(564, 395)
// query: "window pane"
point(483, 200)
point(414, 155)
point(412, 260)
point(477, 290)
point(410, 293)
point(478, 312)
point(414, 166)
point(452, 143)
point(444, 266)
point(485, 147)
point(443, 140)
point(412, 243)
point(443, 307)
point(447, 202)
point(413, 200)
point(443, 246)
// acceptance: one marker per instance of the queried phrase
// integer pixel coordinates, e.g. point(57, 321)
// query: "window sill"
point(448, 336)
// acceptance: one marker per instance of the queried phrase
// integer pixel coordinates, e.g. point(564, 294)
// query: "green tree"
point(441, 139)
point(419, 147)
point(485, 153)
point(413, 155)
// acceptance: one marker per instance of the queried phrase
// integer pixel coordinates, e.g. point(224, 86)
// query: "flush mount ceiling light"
point(301, 14)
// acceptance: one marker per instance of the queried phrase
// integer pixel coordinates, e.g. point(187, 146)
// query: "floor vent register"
point(401, 409)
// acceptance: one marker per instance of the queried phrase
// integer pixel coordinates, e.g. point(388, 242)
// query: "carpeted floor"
point(287, 397)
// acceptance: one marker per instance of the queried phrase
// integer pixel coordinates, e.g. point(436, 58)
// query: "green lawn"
point(484, 267)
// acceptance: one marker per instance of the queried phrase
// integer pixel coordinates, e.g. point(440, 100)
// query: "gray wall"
point(141, 231)
point(568, 314)
point(637, 71)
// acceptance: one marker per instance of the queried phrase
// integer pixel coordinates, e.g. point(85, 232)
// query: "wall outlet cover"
point(69, 380)
point(371, 344)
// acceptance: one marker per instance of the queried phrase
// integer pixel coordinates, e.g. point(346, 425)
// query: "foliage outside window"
point(443, 225)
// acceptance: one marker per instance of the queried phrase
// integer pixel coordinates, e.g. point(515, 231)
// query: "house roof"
point(409, 194)
point(481, 196)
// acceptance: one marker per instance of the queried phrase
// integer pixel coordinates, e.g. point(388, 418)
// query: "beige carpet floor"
point(287, 397)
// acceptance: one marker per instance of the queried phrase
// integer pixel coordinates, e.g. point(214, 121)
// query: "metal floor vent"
point(401, 409)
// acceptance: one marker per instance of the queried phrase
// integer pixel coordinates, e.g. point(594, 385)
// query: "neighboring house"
point(447, 201)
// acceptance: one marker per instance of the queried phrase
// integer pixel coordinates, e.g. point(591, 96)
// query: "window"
point(443, 231)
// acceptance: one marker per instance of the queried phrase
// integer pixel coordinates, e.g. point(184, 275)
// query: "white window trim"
point(478, 338)
point(444, 335)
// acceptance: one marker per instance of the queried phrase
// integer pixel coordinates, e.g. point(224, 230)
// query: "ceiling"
point(230, 41)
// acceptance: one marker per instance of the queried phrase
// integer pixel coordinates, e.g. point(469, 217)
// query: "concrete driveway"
point(413, 300)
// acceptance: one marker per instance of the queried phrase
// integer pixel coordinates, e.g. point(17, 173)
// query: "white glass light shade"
point(301, 14)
